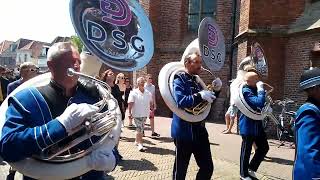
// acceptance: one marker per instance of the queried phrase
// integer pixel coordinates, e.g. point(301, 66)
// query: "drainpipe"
point(234, 12)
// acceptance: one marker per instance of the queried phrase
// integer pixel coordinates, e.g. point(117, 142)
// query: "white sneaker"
point(141, 148)
point(136, 143)
point(252, 173)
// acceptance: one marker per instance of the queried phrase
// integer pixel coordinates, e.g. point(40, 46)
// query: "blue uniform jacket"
point(307, 163)
point(256, 100)
point(186, 94)
point(12, 86)
point(30, 126)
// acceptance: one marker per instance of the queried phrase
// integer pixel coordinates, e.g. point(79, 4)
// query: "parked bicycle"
point(284, 123)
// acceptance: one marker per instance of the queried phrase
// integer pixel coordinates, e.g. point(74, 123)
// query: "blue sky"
point(40, 20)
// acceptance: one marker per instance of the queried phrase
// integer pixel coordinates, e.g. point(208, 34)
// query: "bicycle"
point(285, 131)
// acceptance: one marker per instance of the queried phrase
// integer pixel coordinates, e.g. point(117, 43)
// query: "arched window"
point(197, 10)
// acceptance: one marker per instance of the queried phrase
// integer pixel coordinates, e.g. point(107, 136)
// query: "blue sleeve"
point(19, 140)
point(308, 136)
point(254, 101)
point(9, 89)
point(182, 99)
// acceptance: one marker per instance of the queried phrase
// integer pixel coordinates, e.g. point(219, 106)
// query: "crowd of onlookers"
point(139, 101)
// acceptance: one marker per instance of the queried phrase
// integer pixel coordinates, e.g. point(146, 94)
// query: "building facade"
point(288, 31)
point(175, 25)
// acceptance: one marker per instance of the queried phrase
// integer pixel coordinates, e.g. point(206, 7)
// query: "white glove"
point(75, 114)
point(260, 86)
point(217, 84)
point(207, 95)
point(102, 160)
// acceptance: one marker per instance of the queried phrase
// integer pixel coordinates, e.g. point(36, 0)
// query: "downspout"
point(234, 12)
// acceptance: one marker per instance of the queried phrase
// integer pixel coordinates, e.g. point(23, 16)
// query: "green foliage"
point(76, 41)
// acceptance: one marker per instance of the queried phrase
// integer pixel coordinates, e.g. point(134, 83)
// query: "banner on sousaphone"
point(118, 32)
point(212, 44)
point(259, 59)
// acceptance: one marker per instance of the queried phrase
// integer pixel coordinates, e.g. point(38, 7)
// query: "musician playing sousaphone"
point(190, 100)
point(192, 138)
point(38, 117)
point(252, 131)
point(250, 98)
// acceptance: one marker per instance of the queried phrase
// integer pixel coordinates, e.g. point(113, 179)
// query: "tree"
point(76, 41)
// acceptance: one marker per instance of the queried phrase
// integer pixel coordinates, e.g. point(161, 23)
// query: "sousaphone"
point(119, 34)
point(210, 45)
point(257, 61)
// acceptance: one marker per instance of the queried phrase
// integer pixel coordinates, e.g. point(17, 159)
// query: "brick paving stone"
point(157, 162)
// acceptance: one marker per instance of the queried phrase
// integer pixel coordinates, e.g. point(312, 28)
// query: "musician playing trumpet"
point(252, 130)
point(191, 138)
point(39, 117)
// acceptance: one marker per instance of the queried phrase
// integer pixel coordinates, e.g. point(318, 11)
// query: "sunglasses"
point(33, 70)
point(121, 77)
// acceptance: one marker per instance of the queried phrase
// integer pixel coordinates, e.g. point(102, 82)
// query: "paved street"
point(157, 161)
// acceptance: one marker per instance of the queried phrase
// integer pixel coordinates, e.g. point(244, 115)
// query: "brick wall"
point(274, 14)
point(298, 56)
point(269, 21)
point(169, 21)
point(244, 15)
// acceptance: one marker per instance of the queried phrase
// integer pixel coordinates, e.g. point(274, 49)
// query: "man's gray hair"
point(58, 49)
point(191, 55)
point(26, 65)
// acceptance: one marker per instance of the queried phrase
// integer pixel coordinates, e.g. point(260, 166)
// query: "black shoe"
point(155, 135)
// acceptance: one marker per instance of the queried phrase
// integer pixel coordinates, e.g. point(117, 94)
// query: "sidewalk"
point(157, 161)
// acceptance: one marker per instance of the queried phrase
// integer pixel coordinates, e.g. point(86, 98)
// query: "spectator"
point(139, 104)
point(28, 70)
point(151, 88)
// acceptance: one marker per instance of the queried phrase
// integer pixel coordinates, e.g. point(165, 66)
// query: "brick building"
point(287, 30)
point(175, 25)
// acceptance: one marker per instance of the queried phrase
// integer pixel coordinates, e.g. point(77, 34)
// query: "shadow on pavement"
point(126, 139)
point(278, 144)
point(164, 139)
point(278, 160)
point(137, 165)
point(158, 150)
